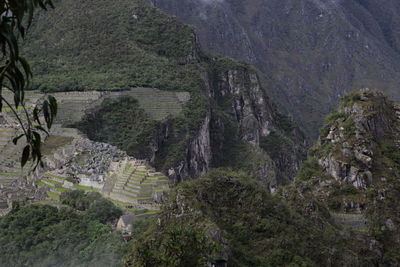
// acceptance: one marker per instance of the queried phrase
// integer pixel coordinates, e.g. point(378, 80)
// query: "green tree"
point(15, 74)
point(178, 247)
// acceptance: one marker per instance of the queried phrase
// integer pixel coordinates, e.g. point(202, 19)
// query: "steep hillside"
point(310, 52)
point(212, 104)
point(226, 218)
point(354, 170)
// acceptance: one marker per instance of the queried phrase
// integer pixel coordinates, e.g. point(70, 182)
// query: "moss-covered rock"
point(354, 168)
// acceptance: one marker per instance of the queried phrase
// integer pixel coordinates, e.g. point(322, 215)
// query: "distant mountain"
point(309, 52)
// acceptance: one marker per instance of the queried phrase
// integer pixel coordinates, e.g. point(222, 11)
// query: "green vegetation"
point(140, 47)
point(16, 74)
point(349, 127)
point(179, 247)
point(95, 206)
point(42, 235)
point(387, 165)
point(275, 144)
point(374, 152)
point(351, 98)
point(284, 123)
point(53, 142)
point(331, 120)
point(310, 169)
point(233, 153)
point(223, 64)
point(121, 123)
point(53, 195)
point(230, 210)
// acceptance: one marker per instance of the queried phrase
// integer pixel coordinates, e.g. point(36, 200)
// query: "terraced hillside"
point(69, 162)
point(72, 105)
point(138, 184)
point(10, 168)
point(157, 103)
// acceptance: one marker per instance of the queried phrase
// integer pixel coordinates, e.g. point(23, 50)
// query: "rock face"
point(354, 169)
point(353, 135)
point(310, 52)
point(197, 155)
point(241, 113)
point(21, 190)
point(251, 108)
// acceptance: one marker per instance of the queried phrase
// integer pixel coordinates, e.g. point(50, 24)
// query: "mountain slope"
point(228, 219)
point(112, 46)
point(310, 52)
point(354, 169)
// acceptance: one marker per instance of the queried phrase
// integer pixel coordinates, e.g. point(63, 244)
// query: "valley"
point(261, 133)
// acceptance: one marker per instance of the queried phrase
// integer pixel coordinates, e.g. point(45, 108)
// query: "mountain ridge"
point(309, 53)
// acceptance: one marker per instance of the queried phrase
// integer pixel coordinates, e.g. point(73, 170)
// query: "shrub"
point(310, 169)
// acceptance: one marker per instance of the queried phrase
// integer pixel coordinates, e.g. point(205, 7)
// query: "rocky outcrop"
point(23, 191)
point(353, 170)
point(197, 155)
point(240, 113)
point(250, 107)
point(245, 113)
point(353, 136)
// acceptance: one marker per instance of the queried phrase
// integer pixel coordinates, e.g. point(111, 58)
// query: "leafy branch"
point(15, 19)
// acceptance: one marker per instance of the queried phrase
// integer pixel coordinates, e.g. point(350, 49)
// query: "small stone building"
point(124, 223)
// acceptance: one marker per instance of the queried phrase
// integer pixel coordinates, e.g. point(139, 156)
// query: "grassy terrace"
point(49, 181)
point(6, 135)
point(2, 174)
point(62, 189)
point(53, 195)
point(50, 175)
point(53, 142)
point(86, 188)
point(136, 184)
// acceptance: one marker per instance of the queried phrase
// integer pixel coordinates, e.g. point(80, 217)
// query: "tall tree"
point(15, 18)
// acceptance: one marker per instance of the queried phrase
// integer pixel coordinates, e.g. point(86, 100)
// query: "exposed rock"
point(360, 159)
point(309, 52)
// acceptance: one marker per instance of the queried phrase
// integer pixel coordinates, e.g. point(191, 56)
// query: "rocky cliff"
point(247, 127)
point(353, 170)
point(310, 52)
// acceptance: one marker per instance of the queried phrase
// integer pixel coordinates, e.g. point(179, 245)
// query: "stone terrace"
point(137, 183)
point(157, 103)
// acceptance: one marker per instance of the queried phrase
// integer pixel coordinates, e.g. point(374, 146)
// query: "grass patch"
point(53, 142)
point(51, 181)
point(148, 213)
point(53, 195)
point(40, 183)
point(85, 188)
point(55, 176)
point(62, 189)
